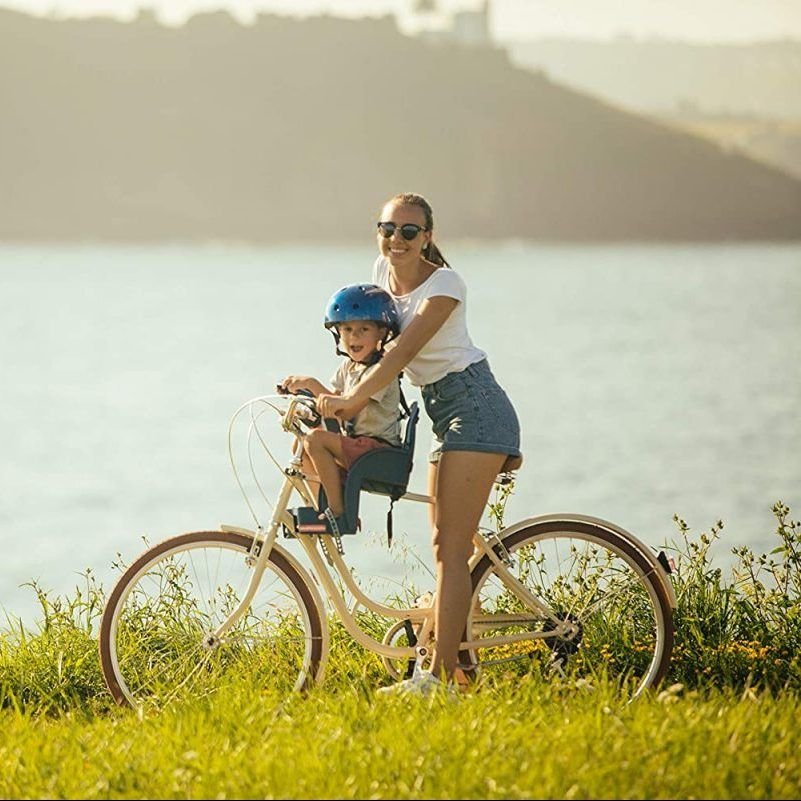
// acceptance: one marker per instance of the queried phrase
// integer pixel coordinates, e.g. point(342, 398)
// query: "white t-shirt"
point(450, 350)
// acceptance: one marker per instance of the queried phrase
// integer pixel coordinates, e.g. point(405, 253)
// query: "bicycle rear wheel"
point(594, 580)
point(155, 633)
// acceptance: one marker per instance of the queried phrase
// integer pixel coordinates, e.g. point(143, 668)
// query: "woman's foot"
point(423, 684)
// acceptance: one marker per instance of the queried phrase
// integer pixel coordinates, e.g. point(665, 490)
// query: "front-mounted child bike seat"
point(383, 471)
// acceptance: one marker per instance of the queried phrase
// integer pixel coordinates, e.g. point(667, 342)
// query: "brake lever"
point(310, 417)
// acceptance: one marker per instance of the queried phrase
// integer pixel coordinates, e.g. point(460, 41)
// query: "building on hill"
point(469, 27)
point(472, 27)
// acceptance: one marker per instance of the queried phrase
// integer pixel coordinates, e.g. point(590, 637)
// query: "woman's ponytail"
point(432, 253)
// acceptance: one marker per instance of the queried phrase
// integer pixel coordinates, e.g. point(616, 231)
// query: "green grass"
point(724, 725)
point(524, 741)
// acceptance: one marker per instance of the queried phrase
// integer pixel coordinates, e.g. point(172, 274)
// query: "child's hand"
point(296, 383)
point(292, 383)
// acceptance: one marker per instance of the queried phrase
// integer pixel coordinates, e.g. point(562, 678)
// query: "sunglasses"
point(408, 230)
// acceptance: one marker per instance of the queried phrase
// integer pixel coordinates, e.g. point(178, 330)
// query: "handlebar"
point(302, 409)
point(306, 400)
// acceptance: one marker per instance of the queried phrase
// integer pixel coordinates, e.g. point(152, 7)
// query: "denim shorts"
point(470, 412)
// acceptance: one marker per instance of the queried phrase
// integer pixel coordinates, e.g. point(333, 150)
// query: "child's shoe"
point(308, 521)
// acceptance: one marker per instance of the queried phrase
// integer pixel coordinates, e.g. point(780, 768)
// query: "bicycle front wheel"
point(156, 639)
point(612, 613)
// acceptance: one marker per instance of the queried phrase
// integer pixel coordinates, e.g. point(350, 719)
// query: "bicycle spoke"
point(608, 620)
point(157, 638)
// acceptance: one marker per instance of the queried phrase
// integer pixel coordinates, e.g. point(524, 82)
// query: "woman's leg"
point(460, 483)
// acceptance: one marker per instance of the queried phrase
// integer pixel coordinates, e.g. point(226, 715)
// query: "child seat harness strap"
point(405, 414)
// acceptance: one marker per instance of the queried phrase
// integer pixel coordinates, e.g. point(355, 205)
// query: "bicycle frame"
point(317, 545)
point(320, 548)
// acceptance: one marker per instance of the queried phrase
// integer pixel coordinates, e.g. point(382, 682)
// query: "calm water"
point(649, 381)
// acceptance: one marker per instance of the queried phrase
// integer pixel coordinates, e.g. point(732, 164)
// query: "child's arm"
point(293, 383)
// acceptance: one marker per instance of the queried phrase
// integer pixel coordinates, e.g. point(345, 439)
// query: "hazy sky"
point(696, 20)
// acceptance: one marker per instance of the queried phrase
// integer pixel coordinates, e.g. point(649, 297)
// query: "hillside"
point(662, 76)
point(293, 129)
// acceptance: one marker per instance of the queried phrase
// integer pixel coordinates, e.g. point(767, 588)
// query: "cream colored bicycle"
point(559, 593)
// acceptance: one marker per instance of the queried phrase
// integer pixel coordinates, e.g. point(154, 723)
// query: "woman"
point(474, 423)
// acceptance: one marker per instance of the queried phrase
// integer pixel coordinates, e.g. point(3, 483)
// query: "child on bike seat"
point(363, 319)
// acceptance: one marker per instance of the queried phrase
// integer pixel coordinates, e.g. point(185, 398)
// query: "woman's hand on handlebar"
point(340, 407)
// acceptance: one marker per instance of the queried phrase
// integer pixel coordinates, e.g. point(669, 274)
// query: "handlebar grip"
point(281, 390)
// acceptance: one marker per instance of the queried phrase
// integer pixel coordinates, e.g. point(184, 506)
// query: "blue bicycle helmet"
point(362, 302)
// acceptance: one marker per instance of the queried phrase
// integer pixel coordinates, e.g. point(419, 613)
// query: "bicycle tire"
point(154, 629)
point(594, 578)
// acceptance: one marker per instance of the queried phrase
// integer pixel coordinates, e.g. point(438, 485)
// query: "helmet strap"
point(374, 359)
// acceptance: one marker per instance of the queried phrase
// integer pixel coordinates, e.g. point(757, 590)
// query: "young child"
point(363, 319)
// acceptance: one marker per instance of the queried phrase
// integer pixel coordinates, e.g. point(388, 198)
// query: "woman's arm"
point(428, 320)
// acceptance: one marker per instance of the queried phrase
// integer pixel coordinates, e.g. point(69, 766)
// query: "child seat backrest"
point(384, 471)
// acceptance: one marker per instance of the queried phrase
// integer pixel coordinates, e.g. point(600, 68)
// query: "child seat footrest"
point(309, 520)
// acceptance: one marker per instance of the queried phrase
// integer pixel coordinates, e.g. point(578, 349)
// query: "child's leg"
point(310, 472)
point(325, 451)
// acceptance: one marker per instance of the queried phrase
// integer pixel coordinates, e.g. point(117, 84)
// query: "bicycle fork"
point(257, 559)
